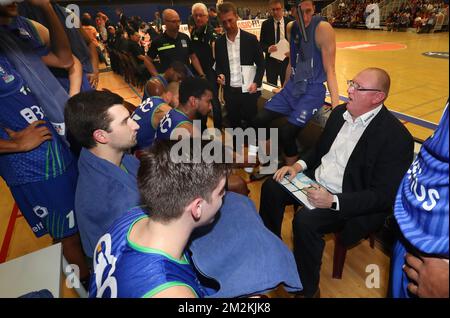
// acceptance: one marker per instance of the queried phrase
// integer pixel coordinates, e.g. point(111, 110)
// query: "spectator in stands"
point(417, 23)
point(100, 22)
point(111, 42)
point(104, 18)
point(92, 34)
point(214, 19)
point(304, 91)
point(157, 22)
point(430, 23)
point(353, 194)
point(235, 49)
point(420, 265)
point(121, 40)
point(36, 162)
point(138, 53)
point(87, 18)
point(173, 46)
point(203, 39)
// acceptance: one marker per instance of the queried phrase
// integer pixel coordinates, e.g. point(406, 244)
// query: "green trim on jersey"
point(47, 162)
point(147, 250)
point(122, 166)
point(36, 33)
point(165, 286)
point(57, 157)
point(156, 109)
point(184, 121)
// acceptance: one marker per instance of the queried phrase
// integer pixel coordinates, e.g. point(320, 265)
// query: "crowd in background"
point(419, 14)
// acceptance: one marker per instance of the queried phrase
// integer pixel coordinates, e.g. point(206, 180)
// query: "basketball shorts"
point(299, 110)
point(48, 206)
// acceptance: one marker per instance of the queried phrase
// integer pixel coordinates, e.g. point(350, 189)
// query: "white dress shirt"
point(281, 28)
point(234, 57)
point(330, 173)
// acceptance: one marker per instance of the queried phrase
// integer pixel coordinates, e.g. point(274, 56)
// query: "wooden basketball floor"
point(420, 88)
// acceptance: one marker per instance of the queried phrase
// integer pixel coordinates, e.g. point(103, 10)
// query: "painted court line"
point(9, 232)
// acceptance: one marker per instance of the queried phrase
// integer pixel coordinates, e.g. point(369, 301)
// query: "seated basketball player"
point(156, 85)
point(107, 174)
point(153, 237)
point(195, 95)
point(103, 126)
point(148, 245)
point(151, 111)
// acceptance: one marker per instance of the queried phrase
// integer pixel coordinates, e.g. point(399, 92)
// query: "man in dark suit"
point(359, 161)
point(272, 31)
point(234, 49)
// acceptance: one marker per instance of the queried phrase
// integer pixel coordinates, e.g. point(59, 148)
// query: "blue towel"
point(104, 193)
point(51, 95)
point(43, 293)
point(241, 254)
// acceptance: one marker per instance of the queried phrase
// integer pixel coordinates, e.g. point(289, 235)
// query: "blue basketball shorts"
point(299, 110)
point(48, 206)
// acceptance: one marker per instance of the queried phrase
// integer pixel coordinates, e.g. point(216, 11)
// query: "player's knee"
point(238, 185)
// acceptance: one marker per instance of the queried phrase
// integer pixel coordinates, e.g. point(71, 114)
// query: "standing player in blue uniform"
point(420, 263)
point(311, 64)
point(151, 111)
point(37, 165)
point(143, 254)
point(37, 37)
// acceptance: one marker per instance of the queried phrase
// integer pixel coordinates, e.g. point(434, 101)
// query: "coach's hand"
point(221, 79)
point(290, 170)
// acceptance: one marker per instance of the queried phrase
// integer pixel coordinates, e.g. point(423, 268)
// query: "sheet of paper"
point(297, 188)
point(282, 49)
point(248, 76)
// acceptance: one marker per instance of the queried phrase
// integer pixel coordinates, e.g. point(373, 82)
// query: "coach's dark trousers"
point(276, 69)
point(308, 227)
point(241, 107)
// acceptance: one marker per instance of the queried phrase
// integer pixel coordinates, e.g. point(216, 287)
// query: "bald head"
point(172, 21)
point(367, 91)
point(380, 77)
point(170, 14)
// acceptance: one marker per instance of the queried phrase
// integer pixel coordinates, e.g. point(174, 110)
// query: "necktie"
point(277, 35)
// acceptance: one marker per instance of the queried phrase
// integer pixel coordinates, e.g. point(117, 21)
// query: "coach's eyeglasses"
point(357, 87)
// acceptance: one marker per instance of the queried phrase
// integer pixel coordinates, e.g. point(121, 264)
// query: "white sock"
point(248, 169)
point(252, 150)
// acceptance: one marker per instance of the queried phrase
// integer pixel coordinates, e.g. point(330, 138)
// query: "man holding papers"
point(273, 39)
point(240, 68)
point(358, 164)
point(311, 64)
